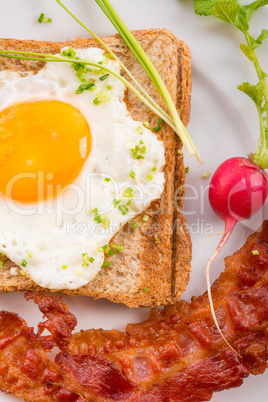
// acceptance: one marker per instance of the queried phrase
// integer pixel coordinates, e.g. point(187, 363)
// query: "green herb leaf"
point(230, 11)
point(255, 43)
point(254, 6)
point(204, 7)
point(248, 52)
point(255, 92)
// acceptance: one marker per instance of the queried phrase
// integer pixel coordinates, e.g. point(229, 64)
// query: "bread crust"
point(146, 273)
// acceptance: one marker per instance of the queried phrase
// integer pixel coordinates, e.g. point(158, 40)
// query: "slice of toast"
point(146, 272)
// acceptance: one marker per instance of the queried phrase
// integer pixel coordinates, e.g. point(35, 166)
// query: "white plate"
point(223, 124)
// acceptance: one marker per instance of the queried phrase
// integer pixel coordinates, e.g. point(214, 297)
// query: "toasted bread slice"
point(146, 272)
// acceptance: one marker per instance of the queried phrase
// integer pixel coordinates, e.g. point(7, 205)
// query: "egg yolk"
point(43, 146)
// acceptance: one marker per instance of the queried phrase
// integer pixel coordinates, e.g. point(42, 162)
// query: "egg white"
point(53, 234)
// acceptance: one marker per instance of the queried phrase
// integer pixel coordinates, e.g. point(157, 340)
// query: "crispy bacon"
point(175, 355)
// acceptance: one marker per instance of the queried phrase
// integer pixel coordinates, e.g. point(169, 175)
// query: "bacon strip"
point(175, 355)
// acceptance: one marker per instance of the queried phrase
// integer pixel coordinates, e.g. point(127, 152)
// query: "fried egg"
point(75, 167)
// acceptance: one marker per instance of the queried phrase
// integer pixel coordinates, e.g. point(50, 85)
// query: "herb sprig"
point(239, 16)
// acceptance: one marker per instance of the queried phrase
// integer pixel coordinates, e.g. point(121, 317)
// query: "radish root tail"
point(212, 258)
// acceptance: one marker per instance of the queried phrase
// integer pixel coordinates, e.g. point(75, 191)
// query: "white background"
point(223, 124)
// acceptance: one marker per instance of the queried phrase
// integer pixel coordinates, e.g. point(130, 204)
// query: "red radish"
point(238, 189)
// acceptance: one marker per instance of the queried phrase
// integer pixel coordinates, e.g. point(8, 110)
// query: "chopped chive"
point(128, 192)
point(146, 290)
point(101, 97)
point(146, 124)
point(156, 240)
point(143, 149)
point(104, 77)
point(94, 211)
point(186, 170)
point(105, 222)
point(134, 225)
point(64, 267)
point(157, 128)
point(159, 121)
point(24, 263)
point(84, 87)
point(101, 249)
point(22, 272)
point(98, 218)
point(111, 252)
point(107, 179)
point(116, 202)
point(124, 209)
point(149, 177)
point(106, 264)
point(255, 252)
point(145, 218)
point(140, 130)
point(42, 18)
point(86, 259)
point(154, 169)
point(69, 53)
point(117, 247)
point(137, 151)
point(132, 174)
point(96, 101)
point(109, 87)
point(179, 151)
point(205, 175)
point(129, 202)
point(30, 254)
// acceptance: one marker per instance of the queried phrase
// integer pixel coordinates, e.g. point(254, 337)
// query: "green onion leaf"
point(24, 263)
